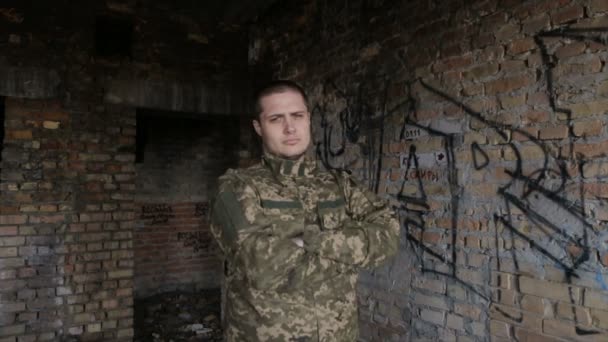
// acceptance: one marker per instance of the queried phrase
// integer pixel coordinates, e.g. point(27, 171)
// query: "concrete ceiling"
point(228, 11)
point(243, 10)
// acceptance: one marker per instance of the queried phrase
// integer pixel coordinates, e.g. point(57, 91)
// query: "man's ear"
point(257, 127)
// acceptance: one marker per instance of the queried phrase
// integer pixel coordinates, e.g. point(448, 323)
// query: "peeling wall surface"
point(484, 123)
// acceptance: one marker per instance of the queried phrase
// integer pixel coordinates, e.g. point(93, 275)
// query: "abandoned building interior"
point(482, 122)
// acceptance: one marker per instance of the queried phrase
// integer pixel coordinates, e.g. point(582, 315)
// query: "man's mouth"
point(291, 141)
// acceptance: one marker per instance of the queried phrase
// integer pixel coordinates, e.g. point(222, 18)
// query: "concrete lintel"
point(220, 98)
point(29, 82)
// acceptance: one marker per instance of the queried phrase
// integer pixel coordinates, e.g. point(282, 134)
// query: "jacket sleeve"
point(266, 255)
point(368, 236)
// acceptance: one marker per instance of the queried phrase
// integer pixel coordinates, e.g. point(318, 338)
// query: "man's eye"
point(298, 115)
point(274, 119)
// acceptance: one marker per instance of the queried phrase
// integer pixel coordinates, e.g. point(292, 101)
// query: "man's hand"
point(298, 241)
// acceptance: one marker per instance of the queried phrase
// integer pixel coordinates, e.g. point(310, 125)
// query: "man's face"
point(284, 124)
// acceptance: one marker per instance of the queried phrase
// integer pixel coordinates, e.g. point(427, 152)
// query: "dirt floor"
point(179, 316)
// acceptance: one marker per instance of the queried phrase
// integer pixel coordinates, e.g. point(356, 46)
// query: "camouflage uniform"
point(276, 290)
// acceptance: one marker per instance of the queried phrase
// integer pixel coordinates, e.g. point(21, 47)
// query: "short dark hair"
point(275, 87)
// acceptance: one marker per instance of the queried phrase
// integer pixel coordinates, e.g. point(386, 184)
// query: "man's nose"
point(289, 127)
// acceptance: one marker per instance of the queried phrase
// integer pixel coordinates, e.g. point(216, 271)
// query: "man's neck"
point(298, 166)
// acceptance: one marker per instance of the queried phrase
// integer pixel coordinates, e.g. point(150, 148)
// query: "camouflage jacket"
point(277, 290)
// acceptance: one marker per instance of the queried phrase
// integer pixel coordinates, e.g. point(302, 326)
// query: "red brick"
point(27, 272)
point(23, 198)
point(500, 329)
point(472, 242)
point(535, 116)
point(533, 304)
point(481, 71)
point(9, 209)
point(568, 14)
point(396, 174)
point(546, 289)
point(512, 66)
point(548, 5)
point(523, 335)
point(598, 6)
point(596, 190)
point(54, 115)
point(467, 310)
point(536, 24)
point(126, 141)
point(525, 134)
point(507, 101)
point(12, 219)
point(604, 259)
point(591, 150)
point(507, 32)
point(453, 63)
point(557, 132)
point(563, 329)
point(575, 313)
point(484, 190)
point(569, 50)
point(523, 10)
point(508, 84)
point(587, 128)
point(48, 207)
point(520, 46)
point(492, 53)
point(18, 135)
point(534, 60)
point(6, 252)
point(431, 237)
point(58, 218)
point(8, 230)
point(110, 304)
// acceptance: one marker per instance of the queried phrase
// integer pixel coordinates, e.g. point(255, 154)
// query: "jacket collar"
point(301, 167)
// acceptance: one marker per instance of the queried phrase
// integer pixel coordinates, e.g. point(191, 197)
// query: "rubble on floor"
point(179, 316)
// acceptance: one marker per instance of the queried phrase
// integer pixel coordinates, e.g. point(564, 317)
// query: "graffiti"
point(536, 193)
point(201, 209)
point(540, 194)
point(156, 213)
point(348, 130)
point(425, 160)
point(426, 175)
point(198, 241)
point(412, 133)
point(355, 121)
point(538, 202)
point(480, 157)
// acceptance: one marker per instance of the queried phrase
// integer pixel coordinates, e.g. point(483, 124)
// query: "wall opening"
point(180, 157)
point(113, 36)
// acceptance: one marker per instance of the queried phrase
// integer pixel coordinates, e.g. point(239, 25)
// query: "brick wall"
point(66, 223)
point(484, 122)
point(68, 180)
point(174, 249)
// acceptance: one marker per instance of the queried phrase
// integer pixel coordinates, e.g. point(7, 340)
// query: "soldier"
point(294, 236)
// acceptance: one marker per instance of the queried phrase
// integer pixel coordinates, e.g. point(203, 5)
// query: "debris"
point(179, 316)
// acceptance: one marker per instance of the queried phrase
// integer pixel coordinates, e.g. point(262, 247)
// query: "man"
point(294, 236)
